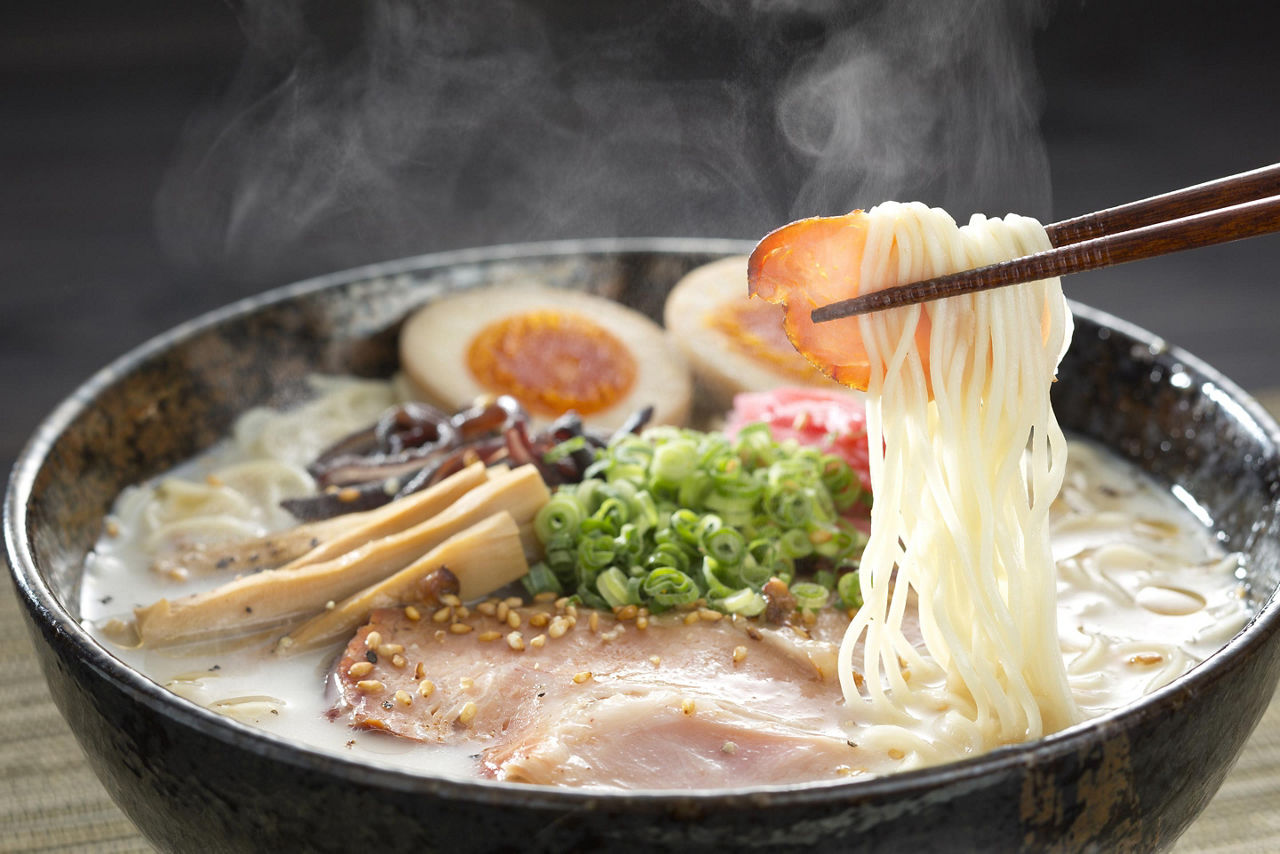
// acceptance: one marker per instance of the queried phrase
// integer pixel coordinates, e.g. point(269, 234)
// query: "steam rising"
point(443, 123)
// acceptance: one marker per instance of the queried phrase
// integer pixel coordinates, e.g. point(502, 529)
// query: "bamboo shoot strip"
point(484, 557)
point(397, 516)
point(277, 596)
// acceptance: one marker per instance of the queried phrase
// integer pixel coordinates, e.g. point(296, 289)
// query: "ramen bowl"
point(192, 779)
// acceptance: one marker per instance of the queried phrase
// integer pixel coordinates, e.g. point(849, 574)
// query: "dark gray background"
point(1138, 98)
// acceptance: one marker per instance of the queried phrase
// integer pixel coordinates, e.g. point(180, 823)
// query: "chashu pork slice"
point(545, 698)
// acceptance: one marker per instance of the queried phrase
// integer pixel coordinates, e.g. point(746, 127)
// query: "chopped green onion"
point(795, 543)
point(746, 602)
point(566, 448)
point(849, 588)
point(670, 588)
point(596, 552)
point(612, 585)
point(726, 545)
point(809, 596)
point(541, 579)
point(562, 513)
point(675, 516)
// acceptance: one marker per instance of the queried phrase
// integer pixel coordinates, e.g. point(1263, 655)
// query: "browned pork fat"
point(558, 696)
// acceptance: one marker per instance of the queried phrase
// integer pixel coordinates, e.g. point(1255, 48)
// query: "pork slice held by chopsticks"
point(483, 558)
point(273, 597)
point(314, 542)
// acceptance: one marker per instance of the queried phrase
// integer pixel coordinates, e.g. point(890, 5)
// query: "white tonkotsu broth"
point(1143, 590)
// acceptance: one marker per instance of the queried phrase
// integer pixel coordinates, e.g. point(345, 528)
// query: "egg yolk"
point(552, 361)
point(754, 328)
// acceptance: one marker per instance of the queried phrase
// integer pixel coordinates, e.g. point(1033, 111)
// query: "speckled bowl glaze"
point(195, 781)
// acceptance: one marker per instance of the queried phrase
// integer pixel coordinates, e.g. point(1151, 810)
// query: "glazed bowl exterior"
point(194, 780)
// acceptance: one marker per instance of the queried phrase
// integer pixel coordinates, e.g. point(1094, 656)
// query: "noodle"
point(972, 459)
point(237, 495)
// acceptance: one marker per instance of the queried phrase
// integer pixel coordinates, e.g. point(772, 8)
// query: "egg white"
point(435, 340)
point(720, 366)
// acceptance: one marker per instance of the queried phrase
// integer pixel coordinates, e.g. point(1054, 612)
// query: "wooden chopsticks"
point(1232, 208)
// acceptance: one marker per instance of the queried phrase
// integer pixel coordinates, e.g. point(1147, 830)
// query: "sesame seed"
point(513, 619)
point(412, 613)
point(895, 753)
point(468, 713)
point(729, 747)
point(389, 649)
point(810, 618)
point(561, 603)
point(538, 642)
point(213, 480)
point(690, 618)
point(369, 686)
point(330, 605)
point(450, 599)
point(1146, 658)
point(440, 635)
point(513, 601)
point(548, 596)
point(372, 640)
point(444, 615)
point(360, 668)
point(688, 707)
point(582, 676)
point(516, 641)
point(398, 660)
point(626, 612)
point(655, 660)
point(461, 612)
point(642, 622)
point(593, 622)
point(460, 628)
point(403, 698)
point(558, 627)
point(709, 615)
point(739, 654)
point(419, 671)
point(488, 607)
point(426, 688)
point(539, 619)
point(844, 771)
point(502, 611)
point(113, 529)
point(466, 683)
point(488, 636)
point(572, 610)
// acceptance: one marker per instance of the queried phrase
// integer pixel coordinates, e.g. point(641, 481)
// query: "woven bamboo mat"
point(50, 800)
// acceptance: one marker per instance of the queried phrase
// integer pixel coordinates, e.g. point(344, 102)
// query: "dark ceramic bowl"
point(193, 780)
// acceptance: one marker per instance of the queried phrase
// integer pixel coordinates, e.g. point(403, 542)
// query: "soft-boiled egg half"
point(552, 349)
point(733, 343)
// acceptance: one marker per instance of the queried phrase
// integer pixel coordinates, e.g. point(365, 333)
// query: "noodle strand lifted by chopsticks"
point(972, 458)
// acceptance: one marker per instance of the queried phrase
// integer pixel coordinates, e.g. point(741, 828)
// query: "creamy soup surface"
point(1145, 592)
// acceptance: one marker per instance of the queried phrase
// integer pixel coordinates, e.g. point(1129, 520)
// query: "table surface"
point(103, 243)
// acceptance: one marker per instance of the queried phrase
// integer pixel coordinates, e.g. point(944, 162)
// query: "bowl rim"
point(41, 601)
